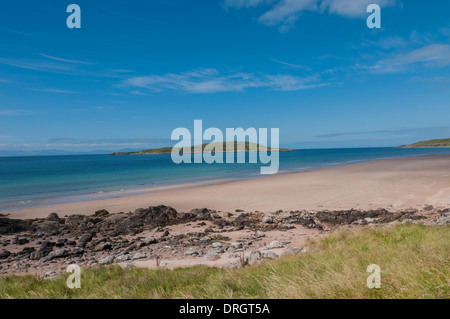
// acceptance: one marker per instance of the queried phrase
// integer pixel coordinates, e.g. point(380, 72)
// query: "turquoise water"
point(34, 181)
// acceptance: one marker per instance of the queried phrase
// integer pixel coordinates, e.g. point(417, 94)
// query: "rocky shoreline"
point(159, 236)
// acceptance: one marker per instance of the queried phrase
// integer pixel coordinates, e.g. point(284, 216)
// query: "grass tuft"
point(414, 261)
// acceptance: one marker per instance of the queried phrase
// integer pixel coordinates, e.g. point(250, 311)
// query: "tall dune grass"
point(414, 261)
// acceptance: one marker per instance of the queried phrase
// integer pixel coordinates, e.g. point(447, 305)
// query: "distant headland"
point(238, 147)
point(439, 143)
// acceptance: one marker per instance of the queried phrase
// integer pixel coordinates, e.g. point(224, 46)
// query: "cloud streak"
point(432, 55)
point(437, 131)
point(212, 81)
point(15, 112)
point(53, 64)
point(284, 13)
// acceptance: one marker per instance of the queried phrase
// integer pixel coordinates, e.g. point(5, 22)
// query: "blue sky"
point(138, 69)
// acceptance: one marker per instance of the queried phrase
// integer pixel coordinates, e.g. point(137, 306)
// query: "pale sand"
point(390, 183)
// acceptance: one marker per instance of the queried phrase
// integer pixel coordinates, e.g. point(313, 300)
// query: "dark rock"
point(5, 254)
point(191, 251)
point(76, 251)
point(101, 213)
point(36, 255)
point(201, 213)
point(221, 222)
point(106, 260)
point(150, 241)
point(59, 253)
point(27, 251)
point(152, 217)
point(84, 240)
point(13, 226)
point(75, 220)
point(47, 247)
point(350, 216)
point(103, 246)
point(20, 241)
point(54, 218)
point(61, 242)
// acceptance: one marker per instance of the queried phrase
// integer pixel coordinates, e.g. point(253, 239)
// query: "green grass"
point(414, 261)
point(445, 142)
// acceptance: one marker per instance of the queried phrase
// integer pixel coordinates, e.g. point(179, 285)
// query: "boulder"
point(103, 246)
point(212, 256)
point(54, 218)
point(58, 253)
point(275, 244)
point(260, 234)
point(150, 241)
point(106, 260)
point(267, 220)
point(269, 255)
point(76, 251)
point(84, 240)
point(13, 226)
point(47, 247)
point(236, 245)
point(201, 213)
point(254, 257)
point(191, 251)
point(5, 254)
point(123, 258)
point(36, 255)
point(216, 244)
point(139, 256)
point(443, 220)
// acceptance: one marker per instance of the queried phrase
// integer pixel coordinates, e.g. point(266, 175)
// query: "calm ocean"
point(42, 180)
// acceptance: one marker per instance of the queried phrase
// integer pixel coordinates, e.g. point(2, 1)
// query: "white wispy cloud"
point(49, 90)
point(212, 81)
point(284, 13)
point(387, 43)
point(352, 8)
point(38, 65)
point(291, 65)
point(14, 112)
point(51, 57)
point(52, 64)
point(432, 55)
point(246, 3)
point(421, 131)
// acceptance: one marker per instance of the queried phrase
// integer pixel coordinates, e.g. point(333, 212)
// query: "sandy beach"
point(390, 183)
point(224, 222)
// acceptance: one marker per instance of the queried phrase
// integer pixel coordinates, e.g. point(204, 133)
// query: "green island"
point(238, 147)
point(444, 142)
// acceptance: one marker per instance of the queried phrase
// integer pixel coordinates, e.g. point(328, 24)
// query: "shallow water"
point(33, 181)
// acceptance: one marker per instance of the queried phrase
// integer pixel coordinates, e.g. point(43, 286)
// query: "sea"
point(44, 180)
